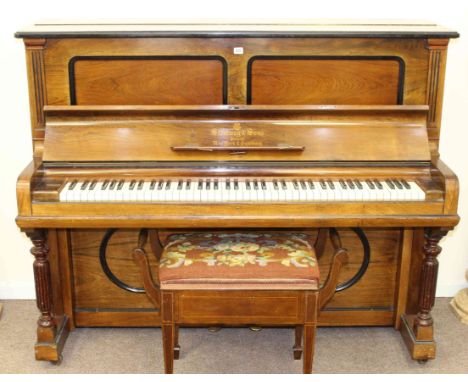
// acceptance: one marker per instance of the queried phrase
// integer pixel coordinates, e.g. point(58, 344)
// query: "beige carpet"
point(338, 350)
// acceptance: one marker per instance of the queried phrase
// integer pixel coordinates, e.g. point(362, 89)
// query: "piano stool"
point(237, 279)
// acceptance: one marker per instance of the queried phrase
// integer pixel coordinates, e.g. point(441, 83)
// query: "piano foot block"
point(420, 350)
point(297, 353)
point(52, 351)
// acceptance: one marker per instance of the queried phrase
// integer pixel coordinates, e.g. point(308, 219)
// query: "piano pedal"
point(214, 329)
point(255, 328)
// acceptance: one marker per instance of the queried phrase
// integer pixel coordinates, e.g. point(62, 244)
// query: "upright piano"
point(280, 125)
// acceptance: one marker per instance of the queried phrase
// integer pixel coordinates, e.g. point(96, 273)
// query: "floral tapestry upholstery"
point(239, 261)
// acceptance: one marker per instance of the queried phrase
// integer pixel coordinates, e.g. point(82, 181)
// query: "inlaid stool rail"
point(240, 279)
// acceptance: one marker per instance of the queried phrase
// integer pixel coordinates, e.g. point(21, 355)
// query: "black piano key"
point(331, 185)
point(105, 184)
point(303, 185)
point(160, 184)
point(216, 185)
point(188, 184)
point(200, 185)
point(120, 184)
point(370, 184)
point(323, 184)
point(358, 184)
point(397, 184)
point(390, 184)
point(378, 184)
point(92, 186)
point(295, 185)
point(284, 185)
point(132, 185)
point(255, 185)
point(72, 185)
point(343, 184)
point(168, 185)
point(207, 184)
point(152, 185)
point(112, 185)
point(236, 185)
point(311, 185)
point(275, 185)
point(405, 184)
point(263, 185)
point(228, 184)
point(84, 185)
point(180, 184)
point(141, 183)
point(351, 184)
point(247, 185)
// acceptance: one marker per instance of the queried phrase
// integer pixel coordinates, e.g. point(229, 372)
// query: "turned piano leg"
point(51, 330)
point(418, 329)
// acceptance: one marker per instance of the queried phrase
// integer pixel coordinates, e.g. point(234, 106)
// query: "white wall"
point(16, 279)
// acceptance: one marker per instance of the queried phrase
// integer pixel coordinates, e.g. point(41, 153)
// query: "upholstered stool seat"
point(218, 261)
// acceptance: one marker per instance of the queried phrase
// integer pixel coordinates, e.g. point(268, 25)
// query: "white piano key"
point(369, 192)
point(302, 192)
point(270, 195)
point(83, 195)
point(63, 196)
point(229, 193)
point(282, 191)
point(390, 194)
point(119, 192)
point(172, 195)
point(416, 191)
point(74, 195)
point(258, 191)
point(188, 191)
point(381, 192)
point(148, 190)
point(218, 191)
point(177, 187)
point(141, 191)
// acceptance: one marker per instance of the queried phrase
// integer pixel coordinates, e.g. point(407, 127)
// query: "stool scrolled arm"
point(141, 258)
point(340, 258)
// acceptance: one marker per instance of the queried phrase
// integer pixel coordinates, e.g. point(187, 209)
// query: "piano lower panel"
point(153, 319)
point(98, 302)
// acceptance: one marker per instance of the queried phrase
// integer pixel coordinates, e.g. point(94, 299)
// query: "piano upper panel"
point(247, 133)
point(325, 79)
point(147, 80)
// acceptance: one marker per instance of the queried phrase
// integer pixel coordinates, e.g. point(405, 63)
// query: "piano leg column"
point(417, 330)
point(51, 330)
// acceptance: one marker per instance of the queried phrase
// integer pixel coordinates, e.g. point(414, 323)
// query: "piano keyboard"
point(234, 190)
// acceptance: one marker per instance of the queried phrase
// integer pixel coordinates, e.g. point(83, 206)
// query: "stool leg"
point(297, 349)
point(168, 331)
point(309, 346)
point(176, 342)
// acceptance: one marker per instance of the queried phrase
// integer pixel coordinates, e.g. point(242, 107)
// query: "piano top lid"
point(236, 28)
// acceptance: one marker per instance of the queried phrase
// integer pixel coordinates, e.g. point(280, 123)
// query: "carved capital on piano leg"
point(42, 279)
point(430, 266)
